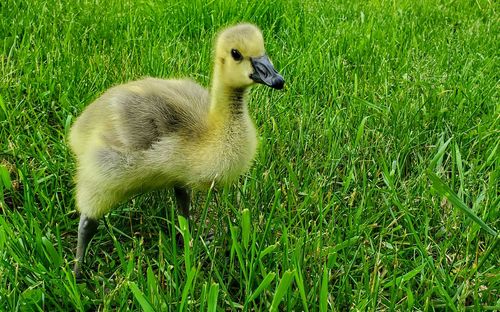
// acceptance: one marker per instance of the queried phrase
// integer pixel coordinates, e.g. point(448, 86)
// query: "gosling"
point(153, 133)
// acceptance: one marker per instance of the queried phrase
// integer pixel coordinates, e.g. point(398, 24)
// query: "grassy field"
point(376, 186)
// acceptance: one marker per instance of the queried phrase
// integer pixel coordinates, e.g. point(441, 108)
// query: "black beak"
point(265, 73)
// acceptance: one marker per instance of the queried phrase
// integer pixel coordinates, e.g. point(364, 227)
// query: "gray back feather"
point(161, 108)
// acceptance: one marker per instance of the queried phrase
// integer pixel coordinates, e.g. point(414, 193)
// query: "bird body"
point(155, 133)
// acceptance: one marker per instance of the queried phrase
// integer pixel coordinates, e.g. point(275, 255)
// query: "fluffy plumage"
point(155, 133)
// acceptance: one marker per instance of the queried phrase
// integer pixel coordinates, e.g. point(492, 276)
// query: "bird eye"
point(236, 55)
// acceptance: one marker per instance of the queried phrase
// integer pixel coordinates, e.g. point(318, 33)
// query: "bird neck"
point(228, 102)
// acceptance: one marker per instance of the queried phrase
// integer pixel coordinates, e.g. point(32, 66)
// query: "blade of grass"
point(406, 277)
point(262, 286)
point(203, 297)
point(282, 289)
point(139, 296)
point(360, 131)
point(151, 283)
point(3, 111)
point(446, 191)
point(323, 296)
point(52, 254)
point(268, 250)
point(5, 178)
point(245, 227)
point(299, 280)
point(212, 297)
point(187, 288)
point(184, 227)
point(439, 155)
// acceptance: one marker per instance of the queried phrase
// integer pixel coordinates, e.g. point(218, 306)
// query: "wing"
point(136, 115)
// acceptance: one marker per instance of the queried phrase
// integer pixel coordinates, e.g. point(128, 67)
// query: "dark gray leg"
point(86, 230)
point(183, 197)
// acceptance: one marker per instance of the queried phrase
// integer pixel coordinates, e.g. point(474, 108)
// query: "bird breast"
point(219, 156)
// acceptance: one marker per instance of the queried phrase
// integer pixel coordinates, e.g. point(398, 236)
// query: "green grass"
point(376, 186)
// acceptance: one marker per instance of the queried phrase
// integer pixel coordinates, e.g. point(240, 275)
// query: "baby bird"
point(154, 133)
